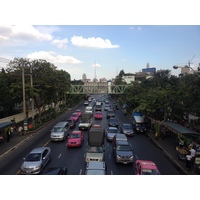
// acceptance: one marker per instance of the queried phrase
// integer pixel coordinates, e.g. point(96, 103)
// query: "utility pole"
point(24, 99)
point(32, 99)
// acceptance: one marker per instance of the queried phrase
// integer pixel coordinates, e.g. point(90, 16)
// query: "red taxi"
point(79, 112)
point(98, 115)
point(146, 167)
point(74, 116)
point(75, 139)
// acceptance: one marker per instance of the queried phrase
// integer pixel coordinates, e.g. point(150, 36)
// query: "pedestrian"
point(192, 153)
point(20, 129)
point(8, 134)
point(188, 161)
point(11, 131)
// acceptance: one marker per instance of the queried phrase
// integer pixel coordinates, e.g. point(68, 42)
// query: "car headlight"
point(131, 157)
point(37, 167)
point(118, 157)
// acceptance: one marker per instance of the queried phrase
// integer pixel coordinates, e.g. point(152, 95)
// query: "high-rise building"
point(84, 77)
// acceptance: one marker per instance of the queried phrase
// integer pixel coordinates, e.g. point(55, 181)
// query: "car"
point(60, 131)
point(86, 103)
point(113, 122)
point(89, 109)
point(98, 107)
point(56, 171)
point(106, 101)
point(119, 137)
point(146, 167)
point(107, 107)
point(98, 115)
point(123, 152)
point(139, 128)
point(75, 139)
point(36, 160)
point(127, 129)
point(79, 112)
point(72, 123)
point(110, 113)
point(74, 116)
point(96, 168)
point(110, 133)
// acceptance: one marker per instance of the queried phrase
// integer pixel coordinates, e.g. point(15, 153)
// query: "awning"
point(5, 125)
point(179, 129)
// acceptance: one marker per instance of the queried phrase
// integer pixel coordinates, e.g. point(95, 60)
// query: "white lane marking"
point(109, 156)
point(136, 157)
point(80, 172)
point(111, 172)
point(59, 156)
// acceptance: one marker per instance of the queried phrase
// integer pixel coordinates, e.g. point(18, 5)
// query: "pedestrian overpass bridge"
point(98, 88)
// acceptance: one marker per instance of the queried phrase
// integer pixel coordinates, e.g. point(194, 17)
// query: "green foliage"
point(164, 96)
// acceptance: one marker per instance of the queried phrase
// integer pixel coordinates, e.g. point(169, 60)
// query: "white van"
point(89, 109)
point(59, 131)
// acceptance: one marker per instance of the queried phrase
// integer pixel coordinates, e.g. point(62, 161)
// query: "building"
point(128, 78)
point(84, 77)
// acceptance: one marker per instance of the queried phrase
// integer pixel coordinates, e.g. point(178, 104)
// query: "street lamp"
point(187, 66)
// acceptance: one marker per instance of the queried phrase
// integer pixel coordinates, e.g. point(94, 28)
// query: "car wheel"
point(42, 169)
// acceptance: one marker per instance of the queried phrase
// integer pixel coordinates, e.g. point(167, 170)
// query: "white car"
point(36, 160)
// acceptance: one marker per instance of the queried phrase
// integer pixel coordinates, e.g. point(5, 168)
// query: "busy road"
point(74, 158)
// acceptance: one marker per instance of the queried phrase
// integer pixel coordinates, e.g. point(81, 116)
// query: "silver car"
point(36, 160)
point(110, 133)
point(127, 129)
point(95, 168)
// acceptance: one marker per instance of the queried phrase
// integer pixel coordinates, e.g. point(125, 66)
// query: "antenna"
point(95, 75)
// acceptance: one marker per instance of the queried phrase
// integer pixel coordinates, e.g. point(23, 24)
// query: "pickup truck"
point(94, 154)
point(85, 122)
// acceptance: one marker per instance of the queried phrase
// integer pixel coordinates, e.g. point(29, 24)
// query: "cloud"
point(53, 58)
point(138, 28)
point(92, 42)
point(96, 65)
point(61, 44)
point(15, 34)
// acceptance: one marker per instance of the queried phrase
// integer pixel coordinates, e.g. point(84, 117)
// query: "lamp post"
point(187, 66)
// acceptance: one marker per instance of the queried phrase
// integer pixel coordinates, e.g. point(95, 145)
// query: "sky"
point(103, 49)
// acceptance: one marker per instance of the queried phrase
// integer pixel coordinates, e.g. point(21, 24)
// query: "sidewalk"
point(168, 146)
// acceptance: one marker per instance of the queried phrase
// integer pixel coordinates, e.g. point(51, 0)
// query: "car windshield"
point(110, 112)
point(58, 129)
point(74, 115)
point(33, 157)
point(123, 148)
point(127, 126)
point(95, 149)
point(112, 131)
point(113, 120)
point(74, 135)
point(150, 172)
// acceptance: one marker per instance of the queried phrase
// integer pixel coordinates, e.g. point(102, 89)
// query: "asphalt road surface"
point(74, 158)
